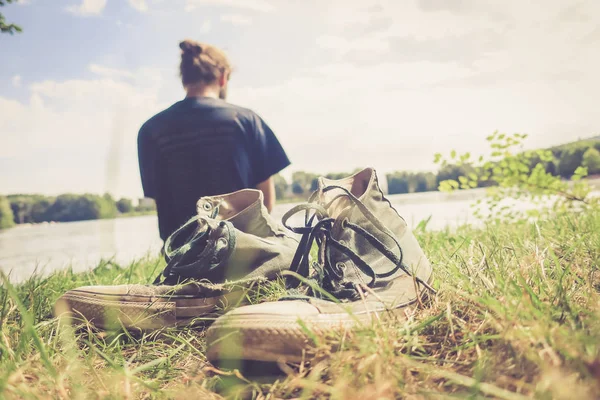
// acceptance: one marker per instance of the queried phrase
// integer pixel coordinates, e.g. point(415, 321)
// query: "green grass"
point(517, 316)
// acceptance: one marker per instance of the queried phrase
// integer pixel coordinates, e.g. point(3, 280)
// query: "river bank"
point(48, 247)
point(121, 215)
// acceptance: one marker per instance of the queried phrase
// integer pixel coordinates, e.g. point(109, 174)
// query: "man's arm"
point(146, 158)
point(268, 189)
point(268, 158)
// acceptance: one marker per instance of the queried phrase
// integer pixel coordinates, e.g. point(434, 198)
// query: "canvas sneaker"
point(233, 244)
point(369, 264)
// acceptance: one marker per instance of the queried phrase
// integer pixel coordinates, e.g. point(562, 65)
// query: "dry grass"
point(517, 316)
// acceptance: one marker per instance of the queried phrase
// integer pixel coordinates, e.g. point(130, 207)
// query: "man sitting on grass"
point(204, 146)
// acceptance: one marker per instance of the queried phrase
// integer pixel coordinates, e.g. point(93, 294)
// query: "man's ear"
point(224, 78)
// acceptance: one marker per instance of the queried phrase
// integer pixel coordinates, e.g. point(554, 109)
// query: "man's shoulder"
point(245, 116)
point(158, 118)
point(241, 112)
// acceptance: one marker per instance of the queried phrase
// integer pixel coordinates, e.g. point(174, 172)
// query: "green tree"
point(21, 208)
point(591, 160)
point(29, 208)
point(73, 207)
point(569, 160)
point(453, 172)
point(281, 186)
point(336, 175)
point(108, 207)
point(409, 182)
point(510, 168)
point(314, 184)
point(297, 188)
point(303, 182)
point(552, 167)
point(124, 205)
point(5, 27)
point(398, 182)
point(425, 182)
point(6, 215)
point(40, 208)
point(145, 205)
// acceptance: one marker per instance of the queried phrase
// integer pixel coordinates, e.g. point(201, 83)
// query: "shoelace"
point(329, 275)
point(180, 260)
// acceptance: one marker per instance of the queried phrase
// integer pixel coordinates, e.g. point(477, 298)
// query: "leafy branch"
point(514, 173)
point(4, 26)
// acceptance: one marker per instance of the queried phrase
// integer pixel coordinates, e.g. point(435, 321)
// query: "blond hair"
point(201, 62)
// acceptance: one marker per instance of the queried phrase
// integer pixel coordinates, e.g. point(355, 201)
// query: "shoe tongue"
point(361, 185)
point(358, 184)
point(244, 209)
point(255, 220)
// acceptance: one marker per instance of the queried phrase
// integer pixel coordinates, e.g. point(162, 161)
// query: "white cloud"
point(391, 76)
point(139, 5)
point(79, 135)
point(343, 13)
point(109, 72)
point(16, 80)
point(205, 27)
point(396, 115)
point(236, 19)
point(341, 45)
point(253, 5)
point(87, 7)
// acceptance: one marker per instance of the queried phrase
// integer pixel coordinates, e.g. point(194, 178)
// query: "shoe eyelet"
point(343, 243)
point(345, 223)
point(207, 206)
point(341, 266)
point(223, 241)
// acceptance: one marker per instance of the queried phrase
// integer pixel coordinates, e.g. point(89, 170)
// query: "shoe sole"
point(284, 339)
point(107, 311)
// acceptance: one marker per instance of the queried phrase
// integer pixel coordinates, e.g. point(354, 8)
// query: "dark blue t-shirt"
point(203, 147)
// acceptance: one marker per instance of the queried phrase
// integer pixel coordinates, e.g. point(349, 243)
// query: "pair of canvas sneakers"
point(367, 265)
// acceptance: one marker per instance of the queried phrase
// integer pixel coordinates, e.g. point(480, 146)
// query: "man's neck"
point(198, 90)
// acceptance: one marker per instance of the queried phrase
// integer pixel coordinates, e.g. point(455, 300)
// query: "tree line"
point(33, 208)
point(566, 159)
point(21, 208)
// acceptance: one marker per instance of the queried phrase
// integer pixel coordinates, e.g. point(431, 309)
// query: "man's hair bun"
point(191, 48)
point(201, 62)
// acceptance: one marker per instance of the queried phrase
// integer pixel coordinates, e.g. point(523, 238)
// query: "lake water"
point(50, 246)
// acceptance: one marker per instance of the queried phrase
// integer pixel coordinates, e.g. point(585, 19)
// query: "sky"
point(344, 84)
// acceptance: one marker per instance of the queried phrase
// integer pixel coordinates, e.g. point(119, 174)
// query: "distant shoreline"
point(121, 216)
point(134, 214)
point(594, 182)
